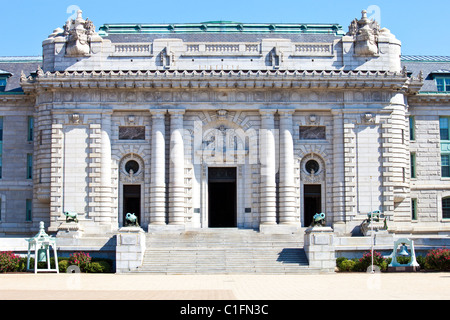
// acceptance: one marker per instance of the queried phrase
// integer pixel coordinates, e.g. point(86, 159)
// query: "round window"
point(312, 166)
point(131, 165)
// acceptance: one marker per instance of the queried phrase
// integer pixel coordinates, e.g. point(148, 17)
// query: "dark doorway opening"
point(132, 201)
point(312, 199)
point(222, 198)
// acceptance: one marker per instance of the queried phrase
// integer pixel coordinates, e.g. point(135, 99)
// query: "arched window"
point(446, 208)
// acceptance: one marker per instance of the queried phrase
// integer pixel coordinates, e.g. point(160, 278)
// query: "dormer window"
point(443, 84)
point(4, 75)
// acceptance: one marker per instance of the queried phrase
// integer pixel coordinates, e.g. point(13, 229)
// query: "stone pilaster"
point(286, 184)
point(268, 168)
point(158, 163)
point(56, 176)
point(176, 179)
point(397, 161)
point(95, 172)
point(338, 187)
point(105, 179)
point(349, 168)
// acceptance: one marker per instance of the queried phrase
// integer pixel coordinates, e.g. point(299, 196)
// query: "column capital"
point(176, 112)
point(267, 112)
point(286, 112)
point(158, 112)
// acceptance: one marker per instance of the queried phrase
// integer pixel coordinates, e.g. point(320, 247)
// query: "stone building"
point(224, 125)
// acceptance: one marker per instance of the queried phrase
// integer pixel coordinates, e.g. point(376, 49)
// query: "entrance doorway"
point(132, 201)
point(312, 199)
point(222, 198)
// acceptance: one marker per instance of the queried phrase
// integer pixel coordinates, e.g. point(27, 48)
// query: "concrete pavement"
point(342, 286)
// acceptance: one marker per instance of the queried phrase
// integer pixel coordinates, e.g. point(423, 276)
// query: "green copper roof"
point(220, 27)
point(412, 58)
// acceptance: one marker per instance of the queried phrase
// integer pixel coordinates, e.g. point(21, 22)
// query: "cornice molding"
point(325, 79)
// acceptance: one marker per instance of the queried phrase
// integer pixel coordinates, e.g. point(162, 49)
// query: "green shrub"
point(98, 267)
point(421, 261)
point(403, 260)
point(348, 265)
point(80, 259)
point(63, 265)
point(366, 261)
point(361, 265)
point(339, 262)
point(438, 259)
point(9, 262)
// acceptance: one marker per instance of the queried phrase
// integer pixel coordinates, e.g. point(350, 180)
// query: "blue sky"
point(422, 26)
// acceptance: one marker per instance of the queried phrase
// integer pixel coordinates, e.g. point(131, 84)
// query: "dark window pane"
point(312, 133)
point(132, 133)
point(446, 208)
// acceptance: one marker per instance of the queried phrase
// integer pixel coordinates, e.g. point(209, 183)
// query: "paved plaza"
point(339, 286)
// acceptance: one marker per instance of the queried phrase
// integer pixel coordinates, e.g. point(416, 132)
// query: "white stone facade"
point(306, 123)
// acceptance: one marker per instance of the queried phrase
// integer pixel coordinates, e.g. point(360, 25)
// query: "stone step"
point(224, 251)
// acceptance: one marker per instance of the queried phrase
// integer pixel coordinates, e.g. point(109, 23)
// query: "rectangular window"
point(414, 209)
point(443, 128)
point(446, 208)
point(132, 133)
point(412, 131)
point(445, 166)
point(30, 128)
point(29, 211)
point(413, 165)
point(443, 84)
point(312, 133)
point(2, 84)
point(1, 128)
point(29, 166)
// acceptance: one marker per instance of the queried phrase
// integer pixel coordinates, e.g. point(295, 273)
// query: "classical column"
point(158, 169)
point(268, 168)
point(176, 182)
point(286, 183)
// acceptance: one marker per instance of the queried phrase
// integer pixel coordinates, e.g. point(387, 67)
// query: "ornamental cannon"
point(318, 220)
point(71, 216)
point(131, 220)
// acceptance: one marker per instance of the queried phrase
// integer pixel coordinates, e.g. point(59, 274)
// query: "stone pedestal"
point(70, 230)
point(319, 248)
point(130, 249)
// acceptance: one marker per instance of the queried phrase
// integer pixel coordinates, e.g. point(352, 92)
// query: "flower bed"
point(10, 262)
point(435, 260)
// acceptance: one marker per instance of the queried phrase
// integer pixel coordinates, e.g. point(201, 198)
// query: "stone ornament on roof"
point(79, 33)
point(366, 34)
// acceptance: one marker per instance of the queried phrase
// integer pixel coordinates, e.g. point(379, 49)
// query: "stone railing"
point(222, 48)
point(313, 49)
point(132, 50)
point(212, 49)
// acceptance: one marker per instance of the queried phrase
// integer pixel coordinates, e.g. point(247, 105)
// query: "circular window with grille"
point(312, 167)
point(132, 165)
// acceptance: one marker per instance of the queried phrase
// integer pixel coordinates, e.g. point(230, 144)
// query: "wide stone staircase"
point(224, 251)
